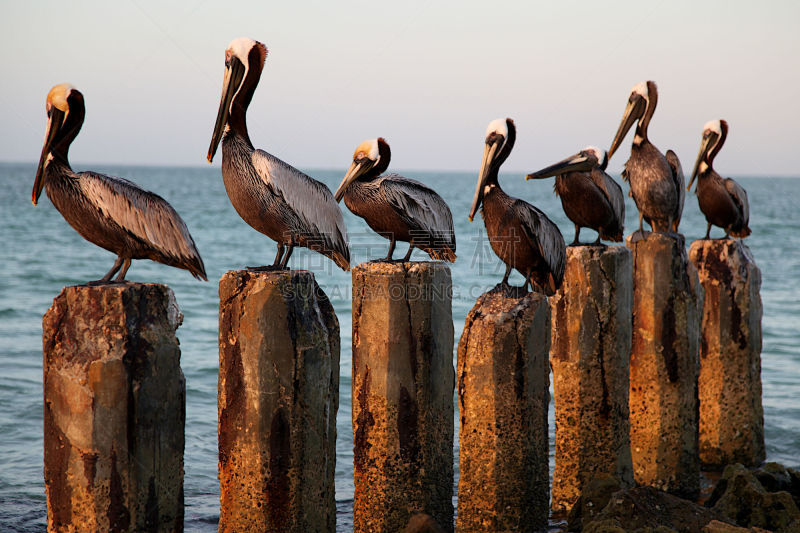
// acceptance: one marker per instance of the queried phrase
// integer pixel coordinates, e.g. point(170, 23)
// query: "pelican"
point(589, 196)
point(396, 207)
point(656, 180)
point(521, 235)
point(111, 212)
point(275, 198)
point(722, 201)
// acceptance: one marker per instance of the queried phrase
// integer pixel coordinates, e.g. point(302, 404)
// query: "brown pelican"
point(722, 201)
point(521, 235)
point(656, 181)
point(397, 208)
point(273, 197)
point(589, 196)
point(112, 213)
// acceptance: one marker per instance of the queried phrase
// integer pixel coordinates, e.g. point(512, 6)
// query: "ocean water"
point(41, 253)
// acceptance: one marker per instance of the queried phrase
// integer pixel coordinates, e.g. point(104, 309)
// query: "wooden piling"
point(731, 414)
point(503, 380)
point(590, 356)
point(403, 382)
point(277, 400)
point(667, 303)
point(114, 409)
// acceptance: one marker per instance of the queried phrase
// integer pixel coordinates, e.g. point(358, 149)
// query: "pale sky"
point(428, 76)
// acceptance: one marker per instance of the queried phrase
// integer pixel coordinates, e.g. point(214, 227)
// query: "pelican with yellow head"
point(113, 213)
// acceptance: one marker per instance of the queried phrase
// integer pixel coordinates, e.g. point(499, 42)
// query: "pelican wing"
point(143, 214)
point(680, 184)
point(543, 235)
point(626, 176)
point(739, 196)
point(612, 192)
point(421, 208)
point(318, 216)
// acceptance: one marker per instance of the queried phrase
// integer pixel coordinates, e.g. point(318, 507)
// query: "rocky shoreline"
point(761, 499)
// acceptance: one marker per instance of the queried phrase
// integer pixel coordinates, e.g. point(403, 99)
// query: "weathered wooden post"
point(667, 302)
point(503, 380)
point(589, 355)
point(277, 399)
point(114, 409)
point(731, 415)
point(403, 382)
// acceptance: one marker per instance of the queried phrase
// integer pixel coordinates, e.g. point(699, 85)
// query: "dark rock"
point(715, 526)
point(774, 477)
point(593, 500)
point(646, 509)
point(741, 497)
point(794, 476)
point(422, 523)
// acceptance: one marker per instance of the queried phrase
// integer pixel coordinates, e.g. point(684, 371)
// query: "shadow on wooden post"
point(667, 303)
point(403, 383)
point(731, 414)
point(590, 357)
point(278, 396)
point(503, 380)
point(114, 409)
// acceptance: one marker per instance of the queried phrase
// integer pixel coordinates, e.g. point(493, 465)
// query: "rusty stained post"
point(731, 414)
point(503, 380)
point(667, 304)
point(590, 356)
point(403, 382)
point(277, 400)
point(114, 409)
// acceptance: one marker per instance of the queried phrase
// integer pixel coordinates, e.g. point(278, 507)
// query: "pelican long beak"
point(356, 170)
point(234, 73)
point(489, 152)
point(633, 111)
point(707, 144)
point(577, 162)
point(54, 123)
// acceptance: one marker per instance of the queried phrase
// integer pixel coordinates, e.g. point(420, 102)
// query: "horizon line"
point(343, 169)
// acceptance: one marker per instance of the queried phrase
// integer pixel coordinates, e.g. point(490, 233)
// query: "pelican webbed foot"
point(267, 268)
point(389, 254)
point(508, 290)
point(598, 243)
point(511, 291)
point(99, 282)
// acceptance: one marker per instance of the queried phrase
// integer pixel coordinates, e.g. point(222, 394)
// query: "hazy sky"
point(428, 76)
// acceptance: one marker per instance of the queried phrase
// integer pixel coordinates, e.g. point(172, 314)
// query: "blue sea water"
point(41, 254)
